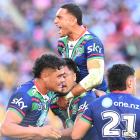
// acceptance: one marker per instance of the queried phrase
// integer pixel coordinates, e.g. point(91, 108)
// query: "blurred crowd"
point(27, 30)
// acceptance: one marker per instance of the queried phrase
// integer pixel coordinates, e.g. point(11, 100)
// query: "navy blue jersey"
point(80, 104)
point(87, 47)
point(77, 106)
point(115, 117)
point(29, 104)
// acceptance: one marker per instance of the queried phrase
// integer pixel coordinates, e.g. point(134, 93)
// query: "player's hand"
point(50, 132)
point(62, 103)
point(99, 93)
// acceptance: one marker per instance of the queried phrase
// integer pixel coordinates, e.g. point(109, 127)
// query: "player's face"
point(54, 79)
point(70, 78)
point(64, 21)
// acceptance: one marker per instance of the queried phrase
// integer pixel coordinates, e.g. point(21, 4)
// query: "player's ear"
point(130, 82)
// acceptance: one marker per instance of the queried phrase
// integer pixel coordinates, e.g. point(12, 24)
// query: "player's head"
point(70, 75)
point(49, 69)
point(67, 17)
point(75, 11)
point(121, 77)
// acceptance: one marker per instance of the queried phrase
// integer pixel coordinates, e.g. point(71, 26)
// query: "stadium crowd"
point(27, 30)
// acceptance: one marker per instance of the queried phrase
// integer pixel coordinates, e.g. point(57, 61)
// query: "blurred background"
point(27, 30)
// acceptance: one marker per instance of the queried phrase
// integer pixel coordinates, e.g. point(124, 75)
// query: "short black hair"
point(72, 66)
point(117, 76)
point(75, 11)
point(47, 61)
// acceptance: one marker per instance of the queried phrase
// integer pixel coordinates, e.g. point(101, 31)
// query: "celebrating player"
point(115, 116)
point(83, 47)
point(28, 106)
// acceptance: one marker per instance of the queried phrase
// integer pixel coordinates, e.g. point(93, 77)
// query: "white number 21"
point(110, 128)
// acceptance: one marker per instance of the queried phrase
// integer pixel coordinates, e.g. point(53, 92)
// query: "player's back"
point(116, 117)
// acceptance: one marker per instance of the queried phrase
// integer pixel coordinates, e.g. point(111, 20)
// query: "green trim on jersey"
point(85, 120)
point(35, 106)
point(93, 58)
point(34, 92)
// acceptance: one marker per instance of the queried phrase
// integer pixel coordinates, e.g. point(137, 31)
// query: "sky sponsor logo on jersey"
point(83, 106)
point(19, 102)
point(94, 48)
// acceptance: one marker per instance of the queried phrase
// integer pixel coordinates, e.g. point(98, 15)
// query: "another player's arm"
point(96, 70)
point(11, 128)
point(80, 128)
point(18, 107)
point(82, 123)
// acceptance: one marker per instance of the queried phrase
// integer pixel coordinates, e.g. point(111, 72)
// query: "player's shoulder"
point(91, 36)
point(99, 100)
point(24, 89)
point(26, 86)
point(134, 99)
point(89, 95)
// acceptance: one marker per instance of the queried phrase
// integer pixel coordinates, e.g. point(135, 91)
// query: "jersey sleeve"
point(88, 114)
point(20, 103)
point(94, 49)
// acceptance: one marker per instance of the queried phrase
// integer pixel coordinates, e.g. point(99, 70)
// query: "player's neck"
point(77, 32)
point(41, 87)
point(121, 91)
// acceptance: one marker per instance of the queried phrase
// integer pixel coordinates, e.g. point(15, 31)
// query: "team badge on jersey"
point(79, 51)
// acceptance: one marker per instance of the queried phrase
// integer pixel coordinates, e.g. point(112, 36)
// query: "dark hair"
point(72, 66)
point(47, 61)
point(74, 10)
point(117, 76)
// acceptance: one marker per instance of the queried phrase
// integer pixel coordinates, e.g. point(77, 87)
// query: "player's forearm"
point(78, 90)
point(17, 131)
point(93, 79)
